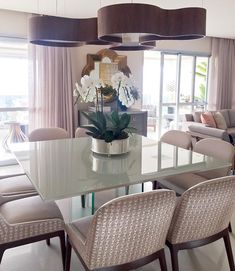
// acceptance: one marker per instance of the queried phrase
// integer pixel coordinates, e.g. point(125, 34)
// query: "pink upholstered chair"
point(81, 132)
point(202, 216)
point(19, 186)
point(124, 233)
point(177, 138)
point(43, 134)
point(29, 220)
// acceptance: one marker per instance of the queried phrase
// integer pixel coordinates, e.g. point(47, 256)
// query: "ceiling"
point(220, 13)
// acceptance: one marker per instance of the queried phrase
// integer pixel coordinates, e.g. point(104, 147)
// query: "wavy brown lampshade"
point(135, 47)
point(63, 32)
point(132, 24)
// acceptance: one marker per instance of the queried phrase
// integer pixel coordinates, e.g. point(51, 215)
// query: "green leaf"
point(109, 136)
point(115, 118)
point(125, 121)
point(93, 119)
point(92, 129)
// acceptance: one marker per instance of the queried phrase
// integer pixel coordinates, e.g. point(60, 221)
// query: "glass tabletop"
point(65, 168)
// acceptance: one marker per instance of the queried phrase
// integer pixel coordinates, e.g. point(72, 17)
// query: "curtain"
point(222, 74)
point(50, 88)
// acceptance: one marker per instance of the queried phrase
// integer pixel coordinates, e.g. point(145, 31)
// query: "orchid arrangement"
point(93, 90)
point(107, 126)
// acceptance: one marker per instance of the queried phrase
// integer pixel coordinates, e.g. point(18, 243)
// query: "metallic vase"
point(113, 148)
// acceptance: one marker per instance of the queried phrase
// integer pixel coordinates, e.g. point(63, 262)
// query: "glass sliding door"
point(175, 84)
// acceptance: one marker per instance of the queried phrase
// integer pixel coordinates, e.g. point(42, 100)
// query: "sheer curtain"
point(51, 88)
point(222, 74)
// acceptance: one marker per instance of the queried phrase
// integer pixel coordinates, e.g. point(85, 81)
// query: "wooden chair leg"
point(174, 258)
point(63, 248)
point(229, 251)
point(142, 187)
point(155, 185)
point(83, 200)
point(230, 227)
point(2, 250)
point(68, 255)
point(162, 260)
point(48, 242)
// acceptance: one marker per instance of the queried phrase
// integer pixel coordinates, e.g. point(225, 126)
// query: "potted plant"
point(109, 131)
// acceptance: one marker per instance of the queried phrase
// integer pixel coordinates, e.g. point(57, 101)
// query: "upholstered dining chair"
point(80, 132)
point(19, 186)
point(29, 220)
point(202, 216)
point(177, 138)
point(42, 134)
point(216, 148)
point(124, 233)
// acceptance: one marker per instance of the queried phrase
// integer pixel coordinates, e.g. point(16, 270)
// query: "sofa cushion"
point(225, 114)
point(197, 116)
point(207, 118)
point(220, 121)
point(231, 113)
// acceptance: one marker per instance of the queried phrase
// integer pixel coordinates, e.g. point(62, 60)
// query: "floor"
point(40, 257)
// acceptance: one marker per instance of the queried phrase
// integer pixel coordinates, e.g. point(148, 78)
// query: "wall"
point(13, 24)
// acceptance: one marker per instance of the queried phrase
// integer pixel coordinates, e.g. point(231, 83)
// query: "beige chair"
point(177, 138)
point(19, 186)
point(124, 233)
point(202, 216)
point(29, 220)
point(43, 134)
point(216, 148)
point(81, 132)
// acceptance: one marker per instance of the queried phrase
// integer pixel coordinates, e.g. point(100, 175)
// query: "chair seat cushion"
point(16, 185)
point(79, 229)
point(31, 209)
point(181, 182)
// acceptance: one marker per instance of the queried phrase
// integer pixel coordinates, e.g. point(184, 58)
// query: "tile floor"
point(40, 257)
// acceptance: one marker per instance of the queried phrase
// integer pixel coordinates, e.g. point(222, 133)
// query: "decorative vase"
point(15, 135)
point(115, 147)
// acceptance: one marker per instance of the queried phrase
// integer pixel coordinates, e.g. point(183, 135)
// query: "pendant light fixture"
point(63, 32)
point(132, 24)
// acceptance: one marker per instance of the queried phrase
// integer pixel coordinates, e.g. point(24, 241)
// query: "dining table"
point(65, 168)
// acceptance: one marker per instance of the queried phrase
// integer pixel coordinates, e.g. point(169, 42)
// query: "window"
point(13, 84)
point(173, 84)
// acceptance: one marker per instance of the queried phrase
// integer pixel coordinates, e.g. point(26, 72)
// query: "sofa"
point(199, 130)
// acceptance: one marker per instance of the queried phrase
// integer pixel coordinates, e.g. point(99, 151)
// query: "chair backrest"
point(219, 149)
point(43, 134)
point(177, 138)
point(129, 228)
point(203, 210)
point(81, 132)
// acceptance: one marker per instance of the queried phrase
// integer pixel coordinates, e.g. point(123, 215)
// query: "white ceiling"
point(220, 13)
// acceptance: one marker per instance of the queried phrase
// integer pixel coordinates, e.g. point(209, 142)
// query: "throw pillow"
point(220, 121)
point(208, 119)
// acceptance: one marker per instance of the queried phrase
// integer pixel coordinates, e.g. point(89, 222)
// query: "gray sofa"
point(199, 130)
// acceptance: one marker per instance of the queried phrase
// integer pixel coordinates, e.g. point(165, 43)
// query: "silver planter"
point(113, 148)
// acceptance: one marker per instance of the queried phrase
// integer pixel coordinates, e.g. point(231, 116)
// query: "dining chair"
point(177, 138)
point(124, 234)
point(19, 186)
point(30, 220)
point(216, 148)
point(202, 216)
point(81, 132)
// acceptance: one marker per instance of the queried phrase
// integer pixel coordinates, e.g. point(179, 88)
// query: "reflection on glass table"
point(64, 168)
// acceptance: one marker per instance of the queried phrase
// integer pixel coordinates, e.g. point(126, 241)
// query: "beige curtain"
point(51, 88)
point(222, 74)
